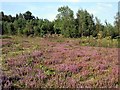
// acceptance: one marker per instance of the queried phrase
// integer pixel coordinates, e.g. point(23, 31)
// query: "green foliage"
point(99, 42)
point(84, 25)
point(28, 15)
point(47, 70)
point(10, 28)
point(65, 22)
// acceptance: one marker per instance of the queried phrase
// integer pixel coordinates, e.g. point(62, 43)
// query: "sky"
point(105, 10)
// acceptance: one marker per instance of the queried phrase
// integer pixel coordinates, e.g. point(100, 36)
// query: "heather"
point(34, 62)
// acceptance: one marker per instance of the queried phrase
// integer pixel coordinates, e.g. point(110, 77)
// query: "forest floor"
point(34, 62)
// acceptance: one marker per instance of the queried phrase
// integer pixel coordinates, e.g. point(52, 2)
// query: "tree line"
point(85, 24)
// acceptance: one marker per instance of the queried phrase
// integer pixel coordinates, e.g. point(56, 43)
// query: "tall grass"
point(103, 42)
point(4, 36)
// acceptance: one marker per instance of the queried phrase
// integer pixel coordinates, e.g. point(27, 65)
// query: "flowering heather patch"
point(59, 65)
point(36, 54)
point(70, 68)
point(4, 42)
point(52, 62)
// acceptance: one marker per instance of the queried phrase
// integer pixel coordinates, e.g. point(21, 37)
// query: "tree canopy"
point(85, 24)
